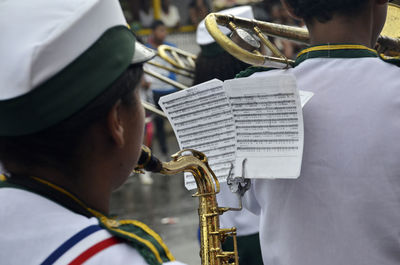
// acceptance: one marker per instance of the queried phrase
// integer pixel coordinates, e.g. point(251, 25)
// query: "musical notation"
point(255, 118)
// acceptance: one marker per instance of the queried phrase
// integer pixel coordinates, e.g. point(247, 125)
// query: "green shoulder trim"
point(391, 60)
point(141, 237)
point(5, 184)
point(335, 51)
point(253, 69)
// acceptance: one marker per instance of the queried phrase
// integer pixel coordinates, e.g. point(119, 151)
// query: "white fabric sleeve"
point(250, 201)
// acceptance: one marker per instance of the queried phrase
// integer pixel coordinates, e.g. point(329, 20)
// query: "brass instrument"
point(150, 107)
point(390, 39)
point(178, 58)
point(171, 69)
point(391, 45)
point(165, 79)
point(212, 236)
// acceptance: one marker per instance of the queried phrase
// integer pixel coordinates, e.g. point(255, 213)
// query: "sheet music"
point(258, 119)
point(202, 119)
point(305, 96)
point(269, 126)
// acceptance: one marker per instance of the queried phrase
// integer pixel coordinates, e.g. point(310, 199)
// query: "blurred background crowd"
point(181, 18)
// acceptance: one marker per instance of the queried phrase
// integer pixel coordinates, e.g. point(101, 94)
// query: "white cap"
point(41, 40)
point(202, 35)
point(41, 37)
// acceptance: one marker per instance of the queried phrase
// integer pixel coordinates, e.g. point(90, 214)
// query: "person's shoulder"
point(169, 44)
point(252, 70)
point(391, 60)
point(148, 45)
point(28, 218)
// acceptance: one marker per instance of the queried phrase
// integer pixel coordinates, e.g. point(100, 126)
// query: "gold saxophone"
point(211, 235)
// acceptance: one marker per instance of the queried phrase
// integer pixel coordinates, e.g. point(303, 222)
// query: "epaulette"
point(141, 237)
point(253, 69)
point(391, 60)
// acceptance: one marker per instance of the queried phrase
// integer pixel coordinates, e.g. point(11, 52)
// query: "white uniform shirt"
point(32, 227)
point(345, 207)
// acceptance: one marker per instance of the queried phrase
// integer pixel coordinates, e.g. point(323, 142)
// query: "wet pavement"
point(165, 206)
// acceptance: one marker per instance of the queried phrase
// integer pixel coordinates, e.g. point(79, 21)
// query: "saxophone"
point(211, 235)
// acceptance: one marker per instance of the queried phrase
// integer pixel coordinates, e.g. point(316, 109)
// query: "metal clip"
point(239, 185)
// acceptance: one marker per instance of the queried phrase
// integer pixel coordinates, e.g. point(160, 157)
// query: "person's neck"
point(89, 187)
point(342, 29)
point(155, 42)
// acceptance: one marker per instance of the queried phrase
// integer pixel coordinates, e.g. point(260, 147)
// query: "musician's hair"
point(323, 10)
point(157, 23)
point(59, 146)
point(208, 68)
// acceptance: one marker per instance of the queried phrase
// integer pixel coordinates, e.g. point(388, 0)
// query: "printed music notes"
point(269, 126)
point(257, 118)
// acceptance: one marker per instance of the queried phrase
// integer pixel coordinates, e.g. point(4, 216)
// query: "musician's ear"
point(290, 10)
point(115, 124)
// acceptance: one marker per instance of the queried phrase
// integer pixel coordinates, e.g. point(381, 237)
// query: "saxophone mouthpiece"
point(148, 162)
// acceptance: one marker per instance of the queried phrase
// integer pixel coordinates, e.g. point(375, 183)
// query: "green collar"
point(328, 51)
point(335, 51)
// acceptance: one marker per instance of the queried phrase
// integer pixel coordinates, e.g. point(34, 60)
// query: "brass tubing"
point(268, 43)
point(170, 69)
point(273, 29)
point(173, 56)
point(177, 59)
point(150, 107)
point(165, 79)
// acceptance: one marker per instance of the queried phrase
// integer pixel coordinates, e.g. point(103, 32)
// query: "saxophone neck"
point(196, 163)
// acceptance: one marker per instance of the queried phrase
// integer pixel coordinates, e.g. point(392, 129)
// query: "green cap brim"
point(75, 86)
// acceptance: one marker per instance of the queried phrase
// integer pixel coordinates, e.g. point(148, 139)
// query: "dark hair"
point(156, 24)
point(222, 66)
point(58, 146)
point(193, 3)
point(323, 10)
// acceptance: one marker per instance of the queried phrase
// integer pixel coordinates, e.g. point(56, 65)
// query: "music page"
point(269, 126)
point(202, 120)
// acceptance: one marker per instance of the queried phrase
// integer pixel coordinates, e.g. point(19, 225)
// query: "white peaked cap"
point(41, 38)
point(202, 35)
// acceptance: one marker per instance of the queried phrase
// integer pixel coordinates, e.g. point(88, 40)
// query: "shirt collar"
point(335, 51)
point(52, 192)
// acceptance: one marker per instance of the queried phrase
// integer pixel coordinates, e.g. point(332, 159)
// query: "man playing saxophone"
point(344, 207)
point(71, 132)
